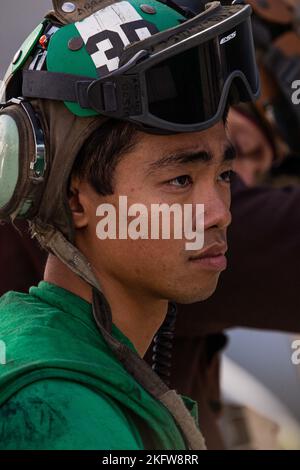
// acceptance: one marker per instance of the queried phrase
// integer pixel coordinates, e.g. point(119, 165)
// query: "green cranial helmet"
point(155, 64)
point(89, 40)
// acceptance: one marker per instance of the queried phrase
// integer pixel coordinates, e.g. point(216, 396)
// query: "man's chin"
point(192, 297)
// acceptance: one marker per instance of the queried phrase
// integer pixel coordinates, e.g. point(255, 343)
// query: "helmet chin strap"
point(56, 243)
point(147, 378)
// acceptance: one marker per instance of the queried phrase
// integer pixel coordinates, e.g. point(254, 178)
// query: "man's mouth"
point(212, 258)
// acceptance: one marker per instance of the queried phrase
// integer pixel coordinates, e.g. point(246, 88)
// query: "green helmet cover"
point(62, 59)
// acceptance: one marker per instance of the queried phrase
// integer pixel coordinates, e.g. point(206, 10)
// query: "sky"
point(17, 19)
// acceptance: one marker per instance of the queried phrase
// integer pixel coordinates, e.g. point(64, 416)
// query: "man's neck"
point(138, 317)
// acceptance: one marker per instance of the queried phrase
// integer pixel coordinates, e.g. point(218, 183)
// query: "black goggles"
point(182, 80)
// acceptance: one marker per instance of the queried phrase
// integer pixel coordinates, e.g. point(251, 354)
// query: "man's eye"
point(226, 176)
point(181, 181)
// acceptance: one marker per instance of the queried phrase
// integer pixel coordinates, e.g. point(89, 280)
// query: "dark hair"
point(100, 154)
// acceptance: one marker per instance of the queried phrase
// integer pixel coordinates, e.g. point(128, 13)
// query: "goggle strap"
point(120, 96)
point(56, 86)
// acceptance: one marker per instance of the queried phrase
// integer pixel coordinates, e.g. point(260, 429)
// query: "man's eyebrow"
point(185, 157)
point(180, 158)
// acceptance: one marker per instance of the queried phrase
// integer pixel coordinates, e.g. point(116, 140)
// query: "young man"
point(112, 116)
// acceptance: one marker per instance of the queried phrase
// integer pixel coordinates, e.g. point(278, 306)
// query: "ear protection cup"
point(22, 160)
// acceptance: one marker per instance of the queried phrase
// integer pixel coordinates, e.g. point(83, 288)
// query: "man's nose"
point(217, 212)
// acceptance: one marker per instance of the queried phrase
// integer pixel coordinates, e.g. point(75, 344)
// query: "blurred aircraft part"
point(239, 387)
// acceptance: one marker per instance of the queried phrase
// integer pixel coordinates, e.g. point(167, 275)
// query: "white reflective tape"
point(143, 33)
point(110, 18)
point(100, 58)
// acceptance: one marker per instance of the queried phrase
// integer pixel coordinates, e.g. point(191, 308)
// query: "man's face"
point(178, 169)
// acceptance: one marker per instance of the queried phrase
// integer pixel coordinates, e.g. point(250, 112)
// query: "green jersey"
point(61, 387)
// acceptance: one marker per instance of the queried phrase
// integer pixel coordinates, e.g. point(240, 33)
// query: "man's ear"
point(78, 202)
